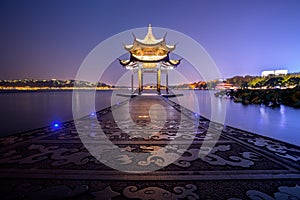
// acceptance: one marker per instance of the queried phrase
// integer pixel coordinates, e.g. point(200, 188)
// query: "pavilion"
point(149, 55)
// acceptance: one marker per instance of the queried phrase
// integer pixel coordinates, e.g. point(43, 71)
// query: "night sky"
point(45, 39)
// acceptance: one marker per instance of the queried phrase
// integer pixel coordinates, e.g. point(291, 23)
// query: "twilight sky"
point(50, 38)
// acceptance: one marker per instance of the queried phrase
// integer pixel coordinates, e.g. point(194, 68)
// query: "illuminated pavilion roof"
point(149, 49)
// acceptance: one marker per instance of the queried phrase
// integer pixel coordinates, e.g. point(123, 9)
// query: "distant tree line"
point(275, 90)
point(50, 83)
point(244, 82)
point(271, 81)
point(268, 97)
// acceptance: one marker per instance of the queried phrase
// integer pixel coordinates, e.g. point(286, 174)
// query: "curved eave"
point(171, 47)
point(137, 44)
point(170, 63)
point(150, 42)
point(128, 47)
point(149, 58)
point(128, 63)
point(174, 62)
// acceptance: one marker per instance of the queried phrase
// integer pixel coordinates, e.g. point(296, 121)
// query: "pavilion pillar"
point(158, 79)
point(140, 79)
point(132, 74)
point(167, 82)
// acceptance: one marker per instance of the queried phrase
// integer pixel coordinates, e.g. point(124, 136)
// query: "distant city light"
point(143, 116)
point(93, 114)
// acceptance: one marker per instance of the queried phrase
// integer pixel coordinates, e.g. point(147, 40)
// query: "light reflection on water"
point(282, 112)
point(263, 115)
point(24, 111)
point(280, 123)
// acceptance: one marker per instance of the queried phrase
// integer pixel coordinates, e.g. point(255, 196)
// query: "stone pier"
point(53, 163)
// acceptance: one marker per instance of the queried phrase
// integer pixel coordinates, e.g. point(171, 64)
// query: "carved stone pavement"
point(210, 161)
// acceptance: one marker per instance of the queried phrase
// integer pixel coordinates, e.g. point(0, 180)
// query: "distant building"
point(274, 72)
point(281, 72)
point(268, 72)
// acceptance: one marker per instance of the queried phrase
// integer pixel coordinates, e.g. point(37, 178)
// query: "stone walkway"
point(193, 158)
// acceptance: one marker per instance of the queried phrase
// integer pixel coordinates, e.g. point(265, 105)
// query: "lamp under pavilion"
point(149, 55)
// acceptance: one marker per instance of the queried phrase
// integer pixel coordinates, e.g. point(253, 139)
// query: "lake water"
point(23, 111)
point(281, 123)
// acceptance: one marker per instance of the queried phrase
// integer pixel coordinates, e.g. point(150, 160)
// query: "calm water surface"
point(281, 123)
point(23, 111)
point(29, 110)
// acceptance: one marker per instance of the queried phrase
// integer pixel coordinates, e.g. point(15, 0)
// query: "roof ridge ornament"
point(150, 29)
point(149, 49)
point(149, 37)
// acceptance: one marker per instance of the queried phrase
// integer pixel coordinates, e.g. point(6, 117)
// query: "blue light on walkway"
point(55, 124)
